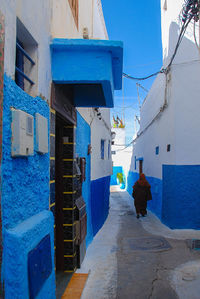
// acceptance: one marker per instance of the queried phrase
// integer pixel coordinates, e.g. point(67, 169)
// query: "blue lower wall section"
point(25, 198)
point(154, 205)
point(19, 242)
point(181, 196)
point(25, 181)
point(116, 169)
point(83, 139)
point(100, 192)
point(176, 198)
point(131, 179)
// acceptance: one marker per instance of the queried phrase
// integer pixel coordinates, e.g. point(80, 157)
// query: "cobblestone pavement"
point(127, 260)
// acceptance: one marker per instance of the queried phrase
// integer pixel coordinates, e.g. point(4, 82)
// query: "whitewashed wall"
point(38, 24)
point(90, 16)
point(121, 157)
point(178, 123)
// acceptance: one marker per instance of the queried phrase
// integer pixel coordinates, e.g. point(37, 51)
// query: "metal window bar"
point(25, 53)
point(23, 75)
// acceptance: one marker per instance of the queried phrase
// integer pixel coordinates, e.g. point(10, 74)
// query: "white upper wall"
point(90, 16)
point(170, 112)
point(171, 23)
point(64, 26)
point(35, 16)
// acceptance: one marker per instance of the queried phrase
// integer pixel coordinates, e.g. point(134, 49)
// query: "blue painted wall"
point(100, 192)
point(181, 196)
point(131, 179)
point(155, 205)
point(83, 139)
point(25, 181)
point(116, 170)
point(25, 191)
point(176, 198)
point(19, 241)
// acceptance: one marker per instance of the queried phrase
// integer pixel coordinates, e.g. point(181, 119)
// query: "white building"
point(50, 197)
point(167, 144)
point(121, 156)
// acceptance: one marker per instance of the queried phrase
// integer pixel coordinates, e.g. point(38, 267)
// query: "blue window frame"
point(102, 149)
point(19, 65)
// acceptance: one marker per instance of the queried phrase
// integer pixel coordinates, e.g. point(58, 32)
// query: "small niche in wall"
point(168, 147)
point(157, 150)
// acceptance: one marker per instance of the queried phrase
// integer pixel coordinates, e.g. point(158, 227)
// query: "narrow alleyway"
point(128, 260)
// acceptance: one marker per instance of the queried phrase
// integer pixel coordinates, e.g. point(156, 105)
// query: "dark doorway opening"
point(65, 176)
point(140, 166)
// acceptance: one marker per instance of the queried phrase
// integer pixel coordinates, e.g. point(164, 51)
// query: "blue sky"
point(137, 24)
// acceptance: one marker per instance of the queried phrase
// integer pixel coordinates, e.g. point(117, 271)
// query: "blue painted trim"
point(25, 53)
point(93, 67)
point(83, 139)
point(24, 75)
point(140, 159)
point(115, 48)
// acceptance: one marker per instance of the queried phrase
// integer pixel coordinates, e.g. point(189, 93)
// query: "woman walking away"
point(141, 193)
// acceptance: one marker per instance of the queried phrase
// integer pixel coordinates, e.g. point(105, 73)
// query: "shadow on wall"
point(187, 50)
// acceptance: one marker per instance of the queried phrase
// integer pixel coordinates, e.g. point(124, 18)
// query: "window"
point(74, 7)
point(168, 147)
point(157, 150)
point(109, 150)
point(25, 64)
point(102, 149)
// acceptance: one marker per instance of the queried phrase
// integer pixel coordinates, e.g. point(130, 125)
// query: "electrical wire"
point(195, 38)
point(122, 149)
point(141, 78)
point(190, 11)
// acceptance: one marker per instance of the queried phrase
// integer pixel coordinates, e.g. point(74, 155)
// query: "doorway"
point(140, 166)
point(65, 192)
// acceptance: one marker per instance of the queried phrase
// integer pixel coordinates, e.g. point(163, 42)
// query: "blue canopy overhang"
point(93, 68)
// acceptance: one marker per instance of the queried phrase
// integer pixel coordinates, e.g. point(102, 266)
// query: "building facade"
point(121, 154)
point(59, 75)
point(166, 149)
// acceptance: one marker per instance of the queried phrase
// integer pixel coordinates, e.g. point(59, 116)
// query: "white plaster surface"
point(177, 124)
point(100, 167)
point(63, 26)
point(122, 156)
point(90, 17)
point(101, 257)
point(185, 280)
point(153, 225)
point(39, 30)
point(101, 261)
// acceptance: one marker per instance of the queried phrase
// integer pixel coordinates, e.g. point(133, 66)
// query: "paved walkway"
point(140, 258)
